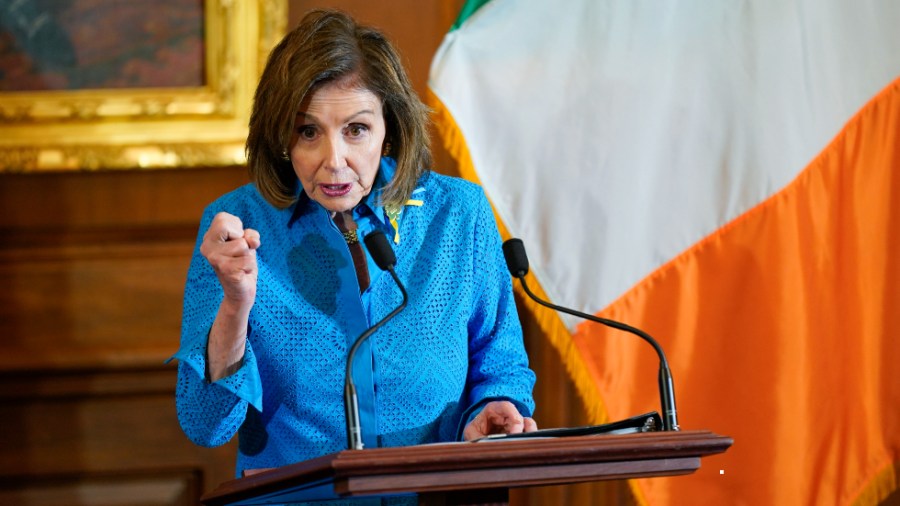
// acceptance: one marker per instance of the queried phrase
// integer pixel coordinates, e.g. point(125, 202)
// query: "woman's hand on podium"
point(498, 417)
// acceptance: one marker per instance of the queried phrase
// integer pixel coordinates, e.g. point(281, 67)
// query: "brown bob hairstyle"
point(329, 46)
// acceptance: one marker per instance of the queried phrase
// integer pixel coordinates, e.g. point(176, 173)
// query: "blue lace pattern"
point(456, 346)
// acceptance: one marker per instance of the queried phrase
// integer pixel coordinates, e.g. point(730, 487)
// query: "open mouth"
point(335, 190)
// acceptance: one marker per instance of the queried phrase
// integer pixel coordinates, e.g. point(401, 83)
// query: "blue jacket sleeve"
point(498, 362)
point(210, 413)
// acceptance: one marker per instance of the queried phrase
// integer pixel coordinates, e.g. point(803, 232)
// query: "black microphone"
point(517, 262)
point(381, 252)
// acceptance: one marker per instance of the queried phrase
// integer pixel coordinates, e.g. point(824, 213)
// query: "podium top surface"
point(482, 465)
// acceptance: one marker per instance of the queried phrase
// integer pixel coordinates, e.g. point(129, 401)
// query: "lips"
point(335, 190)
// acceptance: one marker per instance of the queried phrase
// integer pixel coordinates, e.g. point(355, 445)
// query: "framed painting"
point(130, 84)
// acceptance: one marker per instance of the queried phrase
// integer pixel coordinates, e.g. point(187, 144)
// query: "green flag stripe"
point(467, 10)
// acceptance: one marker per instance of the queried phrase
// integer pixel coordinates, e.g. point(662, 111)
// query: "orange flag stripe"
point(783, 331)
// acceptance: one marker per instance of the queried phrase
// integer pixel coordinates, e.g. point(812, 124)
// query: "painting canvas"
point(100, 84)
point(97, 44)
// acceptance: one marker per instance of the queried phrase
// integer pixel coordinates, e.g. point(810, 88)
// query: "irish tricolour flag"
point(726, 176)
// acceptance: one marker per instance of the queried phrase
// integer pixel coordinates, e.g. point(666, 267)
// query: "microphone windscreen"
point(380, 249)
point(516, 259)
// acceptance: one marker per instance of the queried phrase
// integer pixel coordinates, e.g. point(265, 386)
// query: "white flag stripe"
point(613, 135)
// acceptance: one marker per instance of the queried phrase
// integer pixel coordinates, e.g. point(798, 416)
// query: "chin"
point(339, 205)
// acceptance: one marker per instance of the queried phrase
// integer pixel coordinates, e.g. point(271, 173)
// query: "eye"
point(356, 129)
point(307, 132)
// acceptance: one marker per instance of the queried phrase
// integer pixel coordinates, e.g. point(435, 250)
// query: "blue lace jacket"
point(421, 377)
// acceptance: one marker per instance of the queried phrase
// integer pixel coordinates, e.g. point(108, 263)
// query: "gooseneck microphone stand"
point(381, 252)
point(517, 261)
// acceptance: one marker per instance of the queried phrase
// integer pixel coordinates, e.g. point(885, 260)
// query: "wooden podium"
point(473, 473)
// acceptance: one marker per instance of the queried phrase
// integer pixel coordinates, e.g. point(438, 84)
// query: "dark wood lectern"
point(473, 473)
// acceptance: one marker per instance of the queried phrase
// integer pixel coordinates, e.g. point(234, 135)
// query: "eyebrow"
point(306, 115)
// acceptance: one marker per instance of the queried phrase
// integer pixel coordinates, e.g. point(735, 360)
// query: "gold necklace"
point(350, 236)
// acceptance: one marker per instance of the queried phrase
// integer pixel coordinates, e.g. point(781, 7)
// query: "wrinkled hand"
point(231, 251)
point(498, 417)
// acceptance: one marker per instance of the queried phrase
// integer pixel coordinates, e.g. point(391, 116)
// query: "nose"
point(334, 153)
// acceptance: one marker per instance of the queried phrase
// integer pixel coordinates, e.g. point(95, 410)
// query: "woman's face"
point(337, 143)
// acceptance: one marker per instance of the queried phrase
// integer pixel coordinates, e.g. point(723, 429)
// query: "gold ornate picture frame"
point(147, 128)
